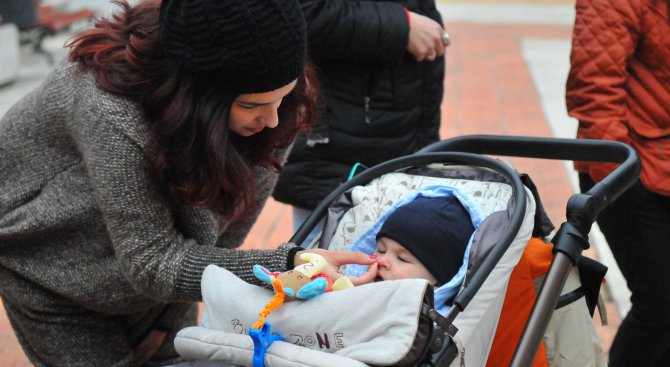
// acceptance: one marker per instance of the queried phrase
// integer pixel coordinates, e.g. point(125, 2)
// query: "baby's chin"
point(379, 278)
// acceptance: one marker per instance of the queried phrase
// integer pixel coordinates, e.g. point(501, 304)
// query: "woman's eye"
point(247, 106)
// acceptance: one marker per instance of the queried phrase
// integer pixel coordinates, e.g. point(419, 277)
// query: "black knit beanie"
point(435, 230)
point(254, 46)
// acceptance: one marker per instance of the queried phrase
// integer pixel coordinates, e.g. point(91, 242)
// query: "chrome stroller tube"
point(582, 210)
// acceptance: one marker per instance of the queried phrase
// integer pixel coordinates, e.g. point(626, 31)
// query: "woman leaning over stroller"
point(137, 163)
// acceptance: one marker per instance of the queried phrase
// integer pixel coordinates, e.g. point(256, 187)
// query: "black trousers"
point(637, 229)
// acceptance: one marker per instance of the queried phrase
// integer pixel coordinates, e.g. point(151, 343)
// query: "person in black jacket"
point(381, 74)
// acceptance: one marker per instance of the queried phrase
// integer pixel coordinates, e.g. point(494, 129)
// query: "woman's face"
point(251, 113)
point(396, 262)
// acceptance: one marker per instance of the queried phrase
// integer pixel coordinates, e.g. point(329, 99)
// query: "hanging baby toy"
point(302, 283)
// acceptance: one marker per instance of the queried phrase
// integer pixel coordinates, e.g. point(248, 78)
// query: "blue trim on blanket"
point(367, 242)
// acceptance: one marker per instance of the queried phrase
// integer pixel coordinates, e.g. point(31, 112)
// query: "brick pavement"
point(488, 89)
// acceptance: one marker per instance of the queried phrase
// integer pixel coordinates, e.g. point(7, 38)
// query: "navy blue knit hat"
point(253, 46)
point(435, 230)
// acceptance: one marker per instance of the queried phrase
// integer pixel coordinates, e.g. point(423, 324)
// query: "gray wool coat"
point(92, 256)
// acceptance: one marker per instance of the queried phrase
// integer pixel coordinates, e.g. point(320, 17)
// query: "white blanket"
point(333, 322)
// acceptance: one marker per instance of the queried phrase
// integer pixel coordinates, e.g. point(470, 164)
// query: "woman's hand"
point(425, 38)
point(335, 259)
point(148, 347)
point(369, 276)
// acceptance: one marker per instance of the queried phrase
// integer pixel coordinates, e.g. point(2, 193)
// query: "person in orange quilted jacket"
point(619, 89)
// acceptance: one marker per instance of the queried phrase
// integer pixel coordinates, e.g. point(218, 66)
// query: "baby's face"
point(395, 262)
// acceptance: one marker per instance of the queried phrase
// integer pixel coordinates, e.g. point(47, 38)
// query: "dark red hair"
point(196, 158)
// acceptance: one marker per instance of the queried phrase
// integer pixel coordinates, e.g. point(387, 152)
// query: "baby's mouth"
point(378, 279)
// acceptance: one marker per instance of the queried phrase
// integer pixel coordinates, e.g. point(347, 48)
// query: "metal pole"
point(542, 311)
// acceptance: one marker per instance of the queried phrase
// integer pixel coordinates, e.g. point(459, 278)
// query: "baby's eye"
point(380, 251)
point(403, 259)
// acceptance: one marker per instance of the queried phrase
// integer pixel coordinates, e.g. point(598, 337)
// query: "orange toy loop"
point(274, 304)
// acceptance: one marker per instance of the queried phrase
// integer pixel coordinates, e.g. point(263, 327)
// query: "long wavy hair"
point(196, 159)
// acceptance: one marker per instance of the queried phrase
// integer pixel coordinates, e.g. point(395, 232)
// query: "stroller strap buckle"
point(442, 321)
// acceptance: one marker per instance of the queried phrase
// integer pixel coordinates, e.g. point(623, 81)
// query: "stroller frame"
point(569, 242)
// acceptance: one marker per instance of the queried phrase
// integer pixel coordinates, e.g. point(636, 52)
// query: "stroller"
point(403, 326)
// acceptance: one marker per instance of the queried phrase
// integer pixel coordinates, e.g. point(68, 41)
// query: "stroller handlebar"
point(582, 209)
point(580, 150)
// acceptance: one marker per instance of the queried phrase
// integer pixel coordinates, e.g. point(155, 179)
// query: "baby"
point(425, 238)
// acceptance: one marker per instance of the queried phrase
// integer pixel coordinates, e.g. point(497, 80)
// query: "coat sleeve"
point(604, 40)
point(356, 30)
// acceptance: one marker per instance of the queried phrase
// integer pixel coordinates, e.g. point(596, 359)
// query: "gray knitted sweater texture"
point(81, 222)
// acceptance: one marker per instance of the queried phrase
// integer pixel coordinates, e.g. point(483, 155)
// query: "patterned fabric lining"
point(374, 199)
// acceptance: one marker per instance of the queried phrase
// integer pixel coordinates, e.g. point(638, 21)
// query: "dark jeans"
point(637, 229)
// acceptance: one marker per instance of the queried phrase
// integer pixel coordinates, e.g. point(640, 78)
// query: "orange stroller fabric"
point(518, 303)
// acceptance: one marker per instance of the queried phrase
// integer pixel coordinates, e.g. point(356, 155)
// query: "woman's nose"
point(271, 118)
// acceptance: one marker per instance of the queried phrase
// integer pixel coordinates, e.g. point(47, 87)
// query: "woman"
point(618, 89)
point(143, 159)
point(381, 68)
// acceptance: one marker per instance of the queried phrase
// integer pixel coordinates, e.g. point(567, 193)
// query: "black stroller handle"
point(582, 209)
point(583, 150)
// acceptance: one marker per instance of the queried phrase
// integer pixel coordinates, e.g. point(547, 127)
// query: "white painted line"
point(508, 13)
